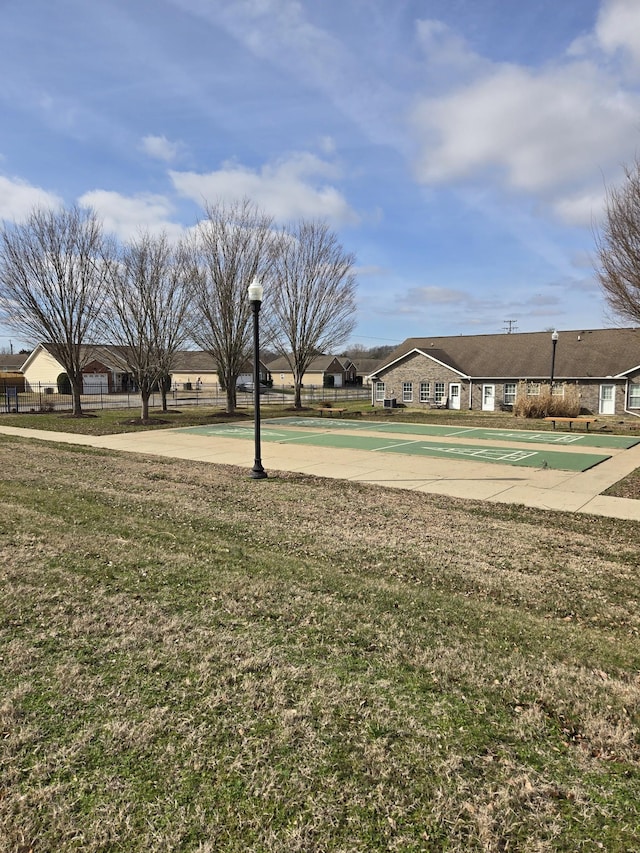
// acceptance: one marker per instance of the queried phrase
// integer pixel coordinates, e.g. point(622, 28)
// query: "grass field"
point(196, 661)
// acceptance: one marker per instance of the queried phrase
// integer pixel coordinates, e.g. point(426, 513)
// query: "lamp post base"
point(258, 472)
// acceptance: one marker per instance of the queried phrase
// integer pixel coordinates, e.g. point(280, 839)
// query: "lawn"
point(196, 661)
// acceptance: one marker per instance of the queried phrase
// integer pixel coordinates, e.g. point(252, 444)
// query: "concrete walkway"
point(540, 488)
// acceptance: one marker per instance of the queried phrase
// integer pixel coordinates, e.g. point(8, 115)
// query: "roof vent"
point(579, 337)
point(432, 344)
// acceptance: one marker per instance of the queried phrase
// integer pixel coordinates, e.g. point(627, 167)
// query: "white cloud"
point(127, 216)
point(327, 145)
point(557, 133)
point(18, 199)
point(292, 188)
point(430, 295)
point(442, 46)
point(584, 208)
point(540, 130)
point(160, 148)
point(618, 27)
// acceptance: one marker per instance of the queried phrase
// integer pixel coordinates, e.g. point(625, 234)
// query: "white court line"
point(462, 431)
point(541, 437)
point(398, 444)
point(496, 454)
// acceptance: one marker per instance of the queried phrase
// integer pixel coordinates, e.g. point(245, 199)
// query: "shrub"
point(545, 404)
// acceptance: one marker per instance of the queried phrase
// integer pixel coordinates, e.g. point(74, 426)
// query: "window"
point(425, 392)
point(558, 389)
point(379, 391)
point(407, 392)
point(533, 389)
point(634, 396)
point(509, 394)
point(439, 393)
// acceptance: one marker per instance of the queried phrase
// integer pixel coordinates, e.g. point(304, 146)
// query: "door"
point(454, 395)
point(488, 397)
point(95, 383)
point(607, 399)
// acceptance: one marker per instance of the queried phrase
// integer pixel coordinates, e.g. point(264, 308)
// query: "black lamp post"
point(255, 298)
point(554, 344)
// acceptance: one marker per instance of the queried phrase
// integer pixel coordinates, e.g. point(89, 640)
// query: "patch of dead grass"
point(189, 663)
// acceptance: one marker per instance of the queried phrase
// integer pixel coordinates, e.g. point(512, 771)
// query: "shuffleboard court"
point(568, 439)
point(530, 458)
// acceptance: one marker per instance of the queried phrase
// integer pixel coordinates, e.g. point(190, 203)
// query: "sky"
point(461, 149)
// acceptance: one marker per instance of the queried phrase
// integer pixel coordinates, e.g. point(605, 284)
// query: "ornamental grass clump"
point(545, 404)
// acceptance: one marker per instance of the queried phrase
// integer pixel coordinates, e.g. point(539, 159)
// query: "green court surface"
point(566, 439)
point(284, 434)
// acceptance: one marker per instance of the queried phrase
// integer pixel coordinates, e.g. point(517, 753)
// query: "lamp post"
point(255, 292)
point(554, 344)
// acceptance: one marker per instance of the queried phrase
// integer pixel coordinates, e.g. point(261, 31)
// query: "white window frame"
point(508, 395)
point(407, 392)
point(425, 392)
point(379, 391)
point(439, 392)
point(634, 399)
point(558, 389)
point(533, 389)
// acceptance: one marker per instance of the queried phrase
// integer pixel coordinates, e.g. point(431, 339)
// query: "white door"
point(488, 397)
point(454, 395)
point(607, 399)
point(95, 383)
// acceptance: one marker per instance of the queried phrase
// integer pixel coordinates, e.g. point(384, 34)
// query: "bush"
point(545, 404)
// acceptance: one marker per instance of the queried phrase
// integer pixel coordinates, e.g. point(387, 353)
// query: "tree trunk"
point(76, 395)
point(231, 399)
point(165, 387)
point(144, 397)
point(297, 404)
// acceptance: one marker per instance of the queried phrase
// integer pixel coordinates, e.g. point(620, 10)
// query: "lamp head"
point(255, 291)
point(554, 336)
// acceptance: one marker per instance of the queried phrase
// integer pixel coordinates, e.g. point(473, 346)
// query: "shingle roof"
point(580, 353)
point(194, 361)
point(365, 366)
point(10, 363)
point(110, 355)
point(318, 365)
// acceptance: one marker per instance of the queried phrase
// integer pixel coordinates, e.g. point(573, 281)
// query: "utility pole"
point(510, 326)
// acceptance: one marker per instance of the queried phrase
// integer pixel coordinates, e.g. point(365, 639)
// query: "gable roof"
point(580, 353)
point(110, 355)
point(317, 365)
point(364, 366)
point(10, 363)
point(194, 361)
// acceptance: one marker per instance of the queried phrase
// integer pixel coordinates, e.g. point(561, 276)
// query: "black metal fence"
point(42, 397)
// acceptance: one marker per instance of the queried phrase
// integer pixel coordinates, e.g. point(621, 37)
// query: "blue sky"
point(460, 148)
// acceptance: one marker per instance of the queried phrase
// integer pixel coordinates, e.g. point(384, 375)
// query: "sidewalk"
point(539, 488)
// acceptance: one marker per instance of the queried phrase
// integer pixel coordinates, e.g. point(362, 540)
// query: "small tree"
point(618, 247)
point(147, 304)
point(313, 302)
point(230, 249)
point(53, 269)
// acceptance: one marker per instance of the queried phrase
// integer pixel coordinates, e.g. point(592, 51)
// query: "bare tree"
point(313, 302)
point(618, 247)
point(231, 248)
point(146, 311)
point(52, 271)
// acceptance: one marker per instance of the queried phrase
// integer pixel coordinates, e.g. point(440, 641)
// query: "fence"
point(44, 398)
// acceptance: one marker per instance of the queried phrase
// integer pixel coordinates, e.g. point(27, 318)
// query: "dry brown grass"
point(192, 660)
point(545, 404)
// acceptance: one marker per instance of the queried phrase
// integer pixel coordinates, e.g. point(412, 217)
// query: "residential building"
point(486, 372)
